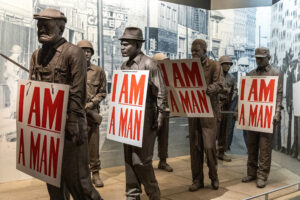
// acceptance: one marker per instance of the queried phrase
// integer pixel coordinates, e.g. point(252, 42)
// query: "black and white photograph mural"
point(285, 52)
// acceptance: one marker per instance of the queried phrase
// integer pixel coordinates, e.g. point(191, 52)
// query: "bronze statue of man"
point(163, 132)
point(96, 92)
point(138, 161)
point(260, 144)
point(226, 97)
point(203, 131)
point(59, 61)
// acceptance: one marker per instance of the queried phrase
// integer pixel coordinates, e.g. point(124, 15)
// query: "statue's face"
point(129, 48)
point(48, 31)
point(198, 52)
point(262, 62)
point(226, 67)
point(88, 53)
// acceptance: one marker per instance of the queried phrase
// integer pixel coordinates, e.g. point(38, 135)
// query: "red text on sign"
point(39, 158)
point(190, 77)
point(112, 121)
point(173, 102)
point(265, 92)
point(21, 102)
point(130, 123)
point(260, 116)
point(194, 101)
point(51, 109)
point(21, 153)
point(132, 94)
point(113, 98)
point(163, 69)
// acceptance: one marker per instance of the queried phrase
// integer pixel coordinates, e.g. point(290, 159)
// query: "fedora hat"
point(132, 33)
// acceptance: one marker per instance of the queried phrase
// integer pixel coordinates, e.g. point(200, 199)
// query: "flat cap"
point(50, 13)
point(262, 52)
point(132, 33)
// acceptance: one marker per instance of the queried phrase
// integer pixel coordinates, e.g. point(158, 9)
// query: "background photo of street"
point(168, 28)
point(285, 52)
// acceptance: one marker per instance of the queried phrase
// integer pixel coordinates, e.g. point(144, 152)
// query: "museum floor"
point(285, 170)
point(174, 185)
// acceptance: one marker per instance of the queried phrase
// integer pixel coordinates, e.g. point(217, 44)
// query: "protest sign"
point(257, 103)
point(127, 106)
point(186, 86)
point(41, 119)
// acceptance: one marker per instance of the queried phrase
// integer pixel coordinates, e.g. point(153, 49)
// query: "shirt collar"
point(56, 46)
point(47, 52)
point(136, 60)
point(90, 67)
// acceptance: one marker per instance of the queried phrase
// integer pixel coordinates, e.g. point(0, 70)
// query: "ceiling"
point(224, 4)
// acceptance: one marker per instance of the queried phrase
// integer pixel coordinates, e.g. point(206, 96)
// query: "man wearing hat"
point(96, 92)
point(226, 98)
point(203, 131)
point(163, 132)
point(260, 144)
point(61, 62)
point(138, 161)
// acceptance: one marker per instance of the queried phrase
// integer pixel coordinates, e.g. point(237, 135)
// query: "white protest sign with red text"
point(257, 103)
point(127, 106)
point(186, 86)
point(41, 119)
